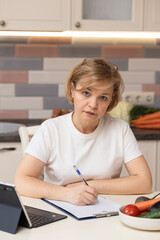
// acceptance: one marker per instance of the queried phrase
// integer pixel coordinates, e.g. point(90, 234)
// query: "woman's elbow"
point(147, 185)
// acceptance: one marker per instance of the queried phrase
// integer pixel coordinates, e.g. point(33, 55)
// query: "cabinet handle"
point(78, 24)
point(2, 22)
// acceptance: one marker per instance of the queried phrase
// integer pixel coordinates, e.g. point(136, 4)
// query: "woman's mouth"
point(90, 113)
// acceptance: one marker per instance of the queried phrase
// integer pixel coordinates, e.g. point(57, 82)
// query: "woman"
point(96, 143)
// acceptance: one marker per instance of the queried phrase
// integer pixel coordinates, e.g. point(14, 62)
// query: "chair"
point(26, 133)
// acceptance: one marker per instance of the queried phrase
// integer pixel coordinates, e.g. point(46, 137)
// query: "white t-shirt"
point(98, 155)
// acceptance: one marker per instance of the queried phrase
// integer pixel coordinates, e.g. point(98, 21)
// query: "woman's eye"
point(103, 98)
point(85, 93)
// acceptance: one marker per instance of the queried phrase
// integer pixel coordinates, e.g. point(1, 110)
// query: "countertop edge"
point(140, 134)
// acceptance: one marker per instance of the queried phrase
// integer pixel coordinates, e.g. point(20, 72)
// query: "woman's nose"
point(93, 102)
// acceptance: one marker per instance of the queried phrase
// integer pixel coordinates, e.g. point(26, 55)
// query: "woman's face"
point(91, 103)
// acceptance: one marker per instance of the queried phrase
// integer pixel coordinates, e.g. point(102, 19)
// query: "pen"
point(79, 173)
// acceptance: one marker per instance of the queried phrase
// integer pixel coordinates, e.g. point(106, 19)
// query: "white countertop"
point(110, 228)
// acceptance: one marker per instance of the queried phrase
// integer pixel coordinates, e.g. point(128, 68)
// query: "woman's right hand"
point(80, 194)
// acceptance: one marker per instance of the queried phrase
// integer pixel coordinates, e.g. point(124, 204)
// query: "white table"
point(109, 228)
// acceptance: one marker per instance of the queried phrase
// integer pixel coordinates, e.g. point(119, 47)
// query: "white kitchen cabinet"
point(9, 161)
point(35, 15)
point(152, 15)
point(80, 15)
point(158, 166)
point(149, 150)
point(107, 15)
point(113, 15)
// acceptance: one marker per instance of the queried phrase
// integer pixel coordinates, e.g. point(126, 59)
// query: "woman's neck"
point(84, 126)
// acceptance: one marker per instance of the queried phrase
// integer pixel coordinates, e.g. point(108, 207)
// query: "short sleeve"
point(40, 144)
point(131, 147)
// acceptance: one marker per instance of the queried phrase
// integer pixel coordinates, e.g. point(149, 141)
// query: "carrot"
point(152, 121)
point(145, 120)
point(148, 116)
point(142, 206)
point(148, 126)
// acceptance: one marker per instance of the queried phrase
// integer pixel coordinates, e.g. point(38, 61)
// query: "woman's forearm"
point(36, 188)
point(124, 185)
point(139, 180)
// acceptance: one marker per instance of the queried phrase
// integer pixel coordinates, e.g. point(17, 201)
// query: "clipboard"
point(101, 208)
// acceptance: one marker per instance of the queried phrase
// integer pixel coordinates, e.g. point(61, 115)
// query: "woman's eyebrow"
point(105, 93)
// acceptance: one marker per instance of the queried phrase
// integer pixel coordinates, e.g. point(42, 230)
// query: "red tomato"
point(131, 210)
point(142, 212)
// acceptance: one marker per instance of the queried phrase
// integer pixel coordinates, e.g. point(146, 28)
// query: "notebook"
point(14, 213)
point(101, 208)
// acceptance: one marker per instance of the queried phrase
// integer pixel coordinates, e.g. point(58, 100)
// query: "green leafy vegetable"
point(139, 110)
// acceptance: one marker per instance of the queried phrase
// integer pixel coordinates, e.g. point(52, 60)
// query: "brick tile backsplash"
point(79, 51)
point(149, 64)
point(21, 103)
point(8, 63)
point(122, 63)
point(13, 114)
point(53, 102)
point(7, 89)
point(122, 51)
point(62, 64)
point(138, 77)
point(37, 90)
point(61, 90)
point(36, 50)
point(133, 87)
point(13, 76)
point(152, 87)
point(39, 114)
point(150, 52)
point(158, 77)
point(7, 50)
point(46, 77)
point(33, 72)
point(157, 102)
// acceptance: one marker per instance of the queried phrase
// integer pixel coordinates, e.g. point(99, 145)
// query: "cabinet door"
point(40, 15)
point(149, 150)
point(152, 15)
point(107, 15)
point(158, 167)
point(9, 161)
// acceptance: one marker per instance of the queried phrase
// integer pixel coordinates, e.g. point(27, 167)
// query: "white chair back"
point(26, 133)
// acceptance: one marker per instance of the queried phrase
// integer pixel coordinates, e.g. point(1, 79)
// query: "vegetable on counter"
point(153, 214)
point(131, 210)
point(142, 206)
point(122, 111)
point(140, 110)
point(144, 209)
point(150, 121)
point(154, 207)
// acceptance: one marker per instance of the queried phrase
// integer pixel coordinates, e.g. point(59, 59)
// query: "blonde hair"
point(96, 73)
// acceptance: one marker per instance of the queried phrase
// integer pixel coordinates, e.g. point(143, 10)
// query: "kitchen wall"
point(33, 71)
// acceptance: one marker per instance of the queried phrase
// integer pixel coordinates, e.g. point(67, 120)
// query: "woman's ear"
point(72, 89)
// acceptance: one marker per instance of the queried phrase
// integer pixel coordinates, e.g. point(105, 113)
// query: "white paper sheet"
point(100, 208)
